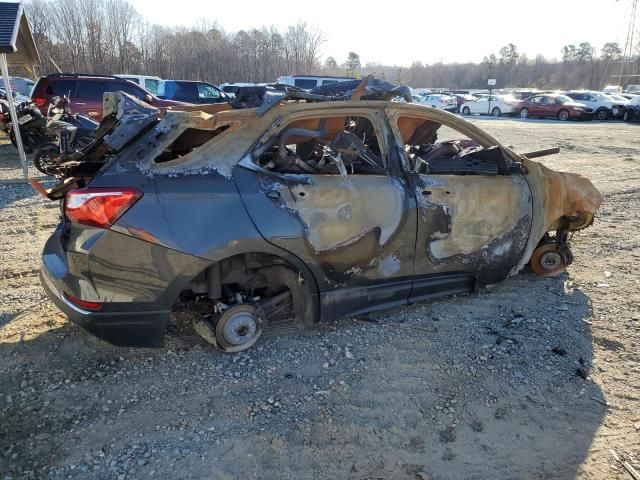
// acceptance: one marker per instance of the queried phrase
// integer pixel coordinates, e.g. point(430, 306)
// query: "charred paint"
point(349, 222)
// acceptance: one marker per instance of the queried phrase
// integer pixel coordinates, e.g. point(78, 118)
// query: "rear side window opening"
point(343, 145)
point(188, 141)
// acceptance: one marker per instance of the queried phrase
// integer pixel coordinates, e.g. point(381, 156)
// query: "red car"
point(85, 92)
point(554, 106)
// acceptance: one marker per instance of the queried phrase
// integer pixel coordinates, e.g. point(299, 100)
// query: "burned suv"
point(309, 209)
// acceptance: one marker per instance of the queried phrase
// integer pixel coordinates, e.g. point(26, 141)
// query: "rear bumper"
point(126, 328)
point(115, 270)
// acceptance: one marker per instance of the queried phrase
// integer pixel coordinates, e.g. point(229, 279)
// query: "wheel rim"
point(45, 163)
point(625, 117)
point(524, 113)
point(465, 111)
point(602, 115)
point(563, 115)
point(496, 112)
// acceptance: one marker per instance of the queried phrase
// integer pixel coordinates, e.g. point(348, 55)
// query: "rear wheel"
point(563, 115)
point(524, 113)
point(496, 112)
point(466, 111)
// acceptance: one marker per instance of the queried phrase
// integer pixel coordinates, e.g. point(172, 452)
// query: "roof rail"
point(73, 74)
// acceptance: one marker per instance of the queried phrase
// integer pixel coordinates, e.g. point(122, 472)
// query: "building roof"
point(16, 39)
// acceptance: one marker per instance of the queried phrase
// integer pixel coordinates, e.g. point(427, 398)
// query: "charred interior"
point(187, 142)
point(334, 145)
point(456, 156)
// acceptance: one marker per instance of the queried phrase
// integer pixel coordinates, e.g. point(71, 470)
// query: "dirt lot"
point(486, 386)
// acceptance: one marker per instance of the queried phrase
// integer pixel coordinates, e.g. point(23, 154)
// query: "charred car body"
point(308, 208)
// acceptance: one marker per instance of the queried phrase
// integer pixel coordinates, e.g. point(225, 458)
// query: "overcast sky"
point(397, 33)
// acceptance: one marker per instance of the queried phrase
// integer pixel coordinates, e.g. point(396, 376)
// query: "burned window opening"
point(451, 156)
point(334, 146)
point(187, 142)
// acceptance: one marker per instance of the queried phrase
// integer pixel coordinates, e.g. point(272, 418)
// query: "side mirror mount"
point(148, 99)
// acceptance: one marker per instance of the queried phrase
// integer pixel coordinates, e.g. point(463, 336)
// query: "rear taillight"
point(39, 101)
point(99, 207)
point(84, 304)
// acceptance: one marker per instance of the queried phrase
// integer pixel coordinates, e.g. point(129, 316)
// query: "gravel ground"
point(531, 378)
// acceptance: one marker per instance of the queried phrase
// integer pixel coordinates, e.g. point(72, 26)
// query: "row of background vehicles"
point(59, 113)
point(568, 105)
point(561, 105)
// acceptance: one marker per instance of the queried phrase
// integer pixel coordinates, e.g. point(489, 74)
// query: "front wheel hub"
point(550, 259)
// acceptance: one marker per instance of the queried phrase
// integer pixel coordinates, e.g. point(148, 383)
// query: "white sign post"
point(491, 82)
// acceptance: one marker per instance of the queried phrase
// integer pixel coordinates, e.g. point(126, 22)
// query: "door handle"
point(273, 194)
point(79, 103)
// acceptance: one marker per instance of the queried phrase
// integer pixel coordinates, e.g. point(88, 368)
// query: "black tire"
point(496, 112)
point(524, 113)
point(466, 111)
point(563, 115)
point(46, 157)
point(602, 114)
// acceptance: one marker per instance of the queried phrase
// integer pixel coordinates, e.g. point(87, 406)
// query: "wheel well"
point(257, 276)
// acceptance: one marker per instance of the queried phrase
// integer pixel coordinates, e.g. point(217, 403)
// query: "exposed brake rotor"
point(236, 329)
point(548, 260)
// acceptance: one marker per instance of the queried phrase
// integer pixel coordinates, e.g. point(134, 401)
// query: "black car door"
point(309, 190)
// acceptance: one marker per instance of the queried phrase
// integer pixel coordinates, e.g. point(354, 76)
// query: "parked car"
point(603, 107)
point(495, 105)
point(17, 97)
point(438, 100)
point(230, 89)
point(21, 85)
point(612, 89)
point(522, 94)
point(632, 112)
point(148, 82)
point(306, 210)
point(308, 82)
point(463, 98)
point(557, 106)
point(633, 89)
point(86, 92)
point(191, 92)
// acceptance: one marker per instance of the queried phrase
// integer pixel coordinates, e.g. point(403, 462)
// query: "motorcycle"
point(66, 134)
point(31, 123)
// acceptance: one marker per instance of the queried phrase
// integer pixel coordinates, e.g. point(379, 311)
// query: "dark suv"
point(305, 210)
point(86, 91)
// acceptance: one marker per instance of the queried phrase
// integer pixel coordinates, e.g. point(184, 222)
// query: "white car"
point(603, 106)
point(438, 100)
point(619, 99)
point(148, 82)
point(495, 105)
point(612, 89)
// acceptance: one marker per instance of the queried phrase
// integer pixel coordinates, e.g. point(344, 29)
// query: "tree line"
point(110, 36)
